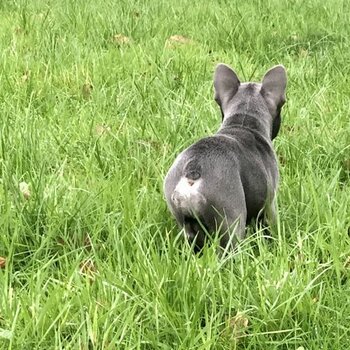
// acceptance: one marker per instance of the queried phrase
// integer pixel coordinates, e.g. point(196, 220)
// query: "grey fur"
point(223, 181)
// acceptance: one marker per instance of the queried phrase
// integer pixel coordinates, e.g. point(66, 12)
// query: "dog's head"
point(267, 96)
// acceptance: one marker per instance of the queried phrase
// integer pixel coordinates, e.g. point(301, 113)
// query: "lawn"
point(96, 100)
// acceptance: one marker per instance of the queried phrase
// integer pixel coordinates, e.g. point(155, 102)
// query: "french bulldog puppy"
point(220, 183)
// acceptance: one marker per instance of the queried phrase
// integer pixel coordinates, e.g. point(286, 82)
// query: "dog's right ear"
point(274, 88)
point(226, 84)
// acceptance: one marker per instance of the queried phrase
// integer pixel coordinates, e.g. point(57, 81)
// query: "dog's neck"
point(246, 121)
point(248, 110)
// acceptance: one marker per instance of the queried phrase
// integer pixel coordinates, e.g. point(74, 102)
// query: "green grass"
point(93, 258)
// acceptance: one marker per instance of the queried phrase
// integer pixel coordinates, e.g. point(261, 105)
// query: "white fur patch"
point(187, 194)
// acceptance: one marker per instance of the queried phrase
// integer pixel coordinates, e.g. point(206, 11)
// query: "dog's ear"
point(226, 84)
point(274, 89)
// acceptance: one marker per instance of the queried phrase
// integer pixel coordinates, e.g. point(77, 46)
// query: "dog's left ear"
point(226, 84)
point(273, 89)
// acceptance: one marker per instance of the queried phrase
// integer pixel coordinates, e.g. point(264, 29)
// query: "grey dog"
point(220, 183)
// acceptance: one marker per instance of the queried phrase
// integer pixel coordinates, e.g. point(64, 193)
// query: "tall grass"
point(96, 100)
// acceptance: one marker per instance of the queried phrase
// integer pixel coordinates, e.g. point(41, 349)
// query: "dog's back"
point(221, 182)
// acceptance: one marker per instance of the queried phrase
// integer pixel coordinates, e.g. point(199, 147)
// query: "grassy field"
point(96, 100)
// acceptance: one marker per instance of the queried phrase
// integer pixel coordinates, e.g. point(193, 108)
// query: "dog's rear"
point(184, 193)
point(189, 200)
point(219, 183)
point(204, 191)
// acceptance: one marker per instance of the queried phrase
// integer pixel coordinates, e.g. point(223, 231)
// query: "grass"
point(91, 122)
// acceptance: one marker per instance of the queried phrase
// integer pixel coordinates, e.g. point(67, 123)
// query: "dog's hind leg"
point(195, 232)
point(231, 228)
point(270, 213)
point(268, 218)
